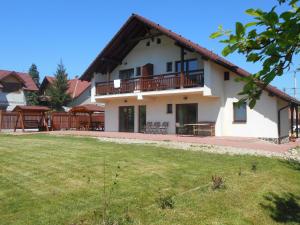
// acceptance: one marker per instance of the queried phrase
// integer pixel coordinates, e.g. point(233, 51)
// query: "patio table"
point(197, 127)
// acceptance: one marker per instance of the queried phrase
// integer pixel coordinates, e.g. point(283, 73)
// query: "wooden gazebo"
point(31, 117)
point(90, 109)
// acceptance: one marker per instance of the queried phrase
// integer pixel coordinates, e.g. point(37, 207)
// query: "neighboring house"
point(13, 87)
point(148, 73)
point(80, 91)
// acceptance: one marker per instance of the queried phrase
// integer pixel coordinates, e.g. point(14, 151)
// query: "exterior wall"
point(157, 54)
point(156, 110)
point(84, 98)
point(9, 100)
point(261, 121)
point(284, 118)
point(215, 103)
point(12, 99)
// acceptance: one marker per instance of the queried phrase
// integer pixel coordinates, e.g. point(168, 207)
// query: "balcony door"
point(186, 114)
point(126, 118)
point(142, 118)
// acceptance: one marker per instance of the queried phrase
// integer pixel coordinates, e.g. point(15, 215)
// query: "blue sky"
point(43, 32)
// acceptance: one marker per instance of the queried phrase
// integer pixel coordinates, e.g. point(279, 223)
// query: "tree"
point(58, 90)
point(32, 97)
point(272, 38)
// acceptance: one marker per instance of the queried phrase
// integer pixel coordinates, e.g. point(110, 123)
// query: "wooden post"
point(22, 121)
point(181, 67)
point(90, 121)
point(292, 119)
point(297, 121)
point(44, 121)
point(17, 122)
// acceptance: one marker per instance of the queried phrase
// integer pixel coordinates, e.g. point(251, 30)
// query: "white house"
point(148, 73)
point(13, 86)
point(79, 91)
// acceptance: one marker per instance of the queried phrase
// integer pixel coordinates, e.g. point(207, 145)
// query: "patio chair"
point(164, 128)
point(149, 128)
point(156, 127)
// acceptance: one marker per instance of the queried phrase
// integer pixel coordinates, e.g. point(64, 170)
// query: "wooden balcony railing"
point(152, 83)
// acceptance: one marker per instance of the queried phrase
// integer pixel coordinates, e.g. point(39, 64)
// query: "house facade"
point(79, 90)
point(148, 73)
point(13, 88)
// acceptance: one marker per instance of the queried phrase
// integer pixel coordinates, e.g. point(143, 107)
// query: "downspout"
point(278, 124)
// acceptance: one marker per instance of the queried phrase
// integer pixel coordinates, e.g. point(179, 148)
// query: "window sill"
point(239, 122)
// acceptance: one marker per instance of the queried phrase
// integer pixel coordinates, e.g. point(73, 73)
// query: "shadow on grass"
point(284, 208)
point(292, 164)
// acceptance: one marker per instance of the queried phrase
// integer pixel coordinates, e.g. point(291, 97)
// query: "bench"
point(31, 124)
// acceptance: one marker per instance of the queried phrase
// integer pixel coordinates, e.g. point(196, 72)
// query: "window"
point(169, 67)
point(226, 75)
point(158, 40)
point(189, 65)
point(126, 74)
point(239, 112)
point(138, 71)
point(169, 108)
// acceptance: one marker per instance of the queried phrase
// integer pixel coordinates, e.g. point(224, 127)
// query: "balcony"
point(153, 83)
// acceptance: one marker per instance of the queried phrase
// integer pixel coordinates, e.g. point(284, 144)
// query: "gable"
point(138, 28)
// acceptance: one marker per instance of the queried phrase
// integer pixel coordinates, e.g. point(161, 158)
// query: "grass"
point(59, 180)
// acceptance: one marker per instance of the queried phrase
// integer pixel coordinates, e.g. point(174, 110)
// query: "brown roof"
point(24, 108)
point(134, 27)
point(25, 78)
point(76, 86)
point(87, 108)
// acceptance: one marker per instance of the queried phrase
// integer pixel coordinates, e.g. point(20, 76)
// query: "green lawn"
point(59, 180)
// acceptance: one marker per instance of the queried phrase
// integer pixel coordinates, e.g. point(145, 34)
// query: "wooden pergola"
point(32, 111)
point(89, 109)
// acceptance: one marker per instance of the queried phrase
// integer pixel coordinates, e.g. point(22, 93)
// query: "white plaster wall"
point(284, 118)
point(157, 54)
point(12, 99)
point(261, 121)
point(84, 98)
point(208, 109)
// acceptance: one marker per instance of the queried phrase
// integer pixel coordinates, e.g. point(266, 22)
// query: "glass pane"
point(126, 74)
point(240, 113)
point(193, 65)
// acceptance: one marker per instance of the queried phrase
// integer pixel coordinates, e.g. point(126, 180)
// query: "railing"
point(153, 83)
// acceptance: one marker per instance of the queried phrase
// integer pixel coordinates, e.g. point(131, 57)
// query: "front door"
point(142, 118)
point(126, 118)
point(186, 114)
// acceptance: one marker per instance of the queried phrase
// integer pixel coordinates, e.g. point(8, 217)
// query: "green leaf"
point(216, 34)
point(226, 51)
point(252, 103)
point(253, 57)
point(239, 29)
point(252, 12)
point(250, 24)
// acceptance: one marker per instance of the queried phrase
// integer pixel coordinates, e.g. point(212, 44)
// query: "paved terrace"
point(236, 142)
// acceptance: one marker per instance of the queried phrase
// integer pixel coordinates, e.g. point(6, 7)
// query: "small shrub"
point(240, 171)
point(217, 182)
point(166, 201)
point(254, 166)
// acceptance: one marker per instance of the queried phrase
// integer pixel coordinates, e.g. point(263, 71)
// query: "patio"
point(236, 142)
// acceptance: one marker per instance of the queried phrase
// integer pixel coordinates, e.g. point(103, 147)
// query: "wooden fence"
point(56, 120)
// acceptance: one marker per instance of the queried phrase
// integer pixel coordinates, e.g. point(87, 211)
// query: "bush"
point(166, 201)
point(217, 182)
point(254, 166)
